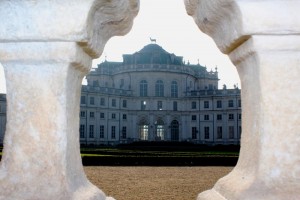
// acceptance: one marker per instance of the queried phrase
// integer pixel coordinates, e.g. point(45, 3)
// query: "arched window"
point(159, 88)
point(143, 130)
point(159, 130)
point(143, 88)
point(174, 89)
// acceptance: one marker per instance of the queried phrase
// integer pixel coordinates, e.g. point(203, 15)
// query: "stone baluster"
point(46, 48)
point(262, 40)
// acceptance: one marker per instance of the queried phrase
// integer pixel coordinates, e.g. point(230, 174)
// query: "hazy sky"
point(175, 31)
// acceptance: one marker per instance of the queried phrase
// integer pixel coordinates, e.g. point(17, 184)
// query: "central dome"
point(153, 48)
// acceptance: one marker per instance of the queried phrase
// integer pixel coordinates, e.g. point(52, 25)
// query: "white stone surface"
point(46, 49)
point(265, 49)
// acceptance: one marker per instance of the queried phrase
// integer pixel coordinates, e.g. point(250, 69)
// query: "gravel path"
point(155, 183)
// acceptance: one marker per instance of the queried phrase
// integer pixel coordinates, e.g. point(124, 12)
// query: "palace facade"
point(154, 95)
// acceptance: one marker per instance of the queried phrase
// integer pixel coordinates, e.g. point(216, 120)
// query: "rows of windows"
point(219, 104)
point(159, 89)
point(206, 104)
point(102, 115)
point(91, 131)
point(219, 117)
point(219, 132)
point(103, 101)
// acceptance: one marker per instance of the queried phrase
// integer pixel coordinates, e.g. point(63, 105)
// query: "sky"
point(175, 31)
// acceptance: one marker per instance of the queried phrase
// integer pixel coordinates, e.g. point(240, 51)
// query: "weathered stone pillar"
point(263, 41)
point(46, 48)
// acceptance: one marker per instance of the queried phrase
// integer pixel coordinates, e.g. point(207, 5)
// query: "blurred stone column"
point(262, 40)
point(46, 48)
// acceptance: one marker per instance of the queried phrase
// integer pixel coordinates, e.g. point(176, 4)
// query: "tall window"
point(92, 114)
point(143, 105)
point(231, 116)
point(194, 133)
point(231, 132)
point(81, 130)
point(219, 116)
point(175, 105)
point(101, 135)
point(82, 100)
point(206, 132)
point(102, 115)
point(124, 103)
point(206, 104)
point(219, 104)
point(159, 105)
point(143, 88)
point(159, 88)
point(102, 101)
point(91, 131)
point(206, 117)
point(113, 103)
point(219, 132)
point(124, 132)
point(82, 113)
point(92, 100)
point(124, 116)
point(174, 89)
point(230, 103)
point(113, 132)
point(194, 104)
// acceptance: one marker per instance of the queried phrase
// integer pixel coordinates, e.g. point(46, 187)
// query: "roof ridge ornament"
point(153, 40)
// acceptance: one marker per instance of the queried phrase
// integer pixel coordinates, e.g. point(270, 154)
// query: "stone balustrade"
point(262, 40)
point(46, 49)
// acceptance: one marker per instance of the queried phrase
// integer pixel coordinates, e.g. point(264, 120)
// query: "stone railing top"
point(231, 22)
point(90, 22)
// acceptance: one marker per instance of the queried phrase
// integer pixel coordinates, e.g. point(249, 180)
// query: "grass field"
point(155, 183)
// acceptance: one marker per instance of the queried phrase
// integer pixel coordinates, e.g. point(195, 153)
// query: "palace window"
point(113, 115)
point(206, 117)
point(159, 105)
point(92, 114)
point(124, 104)
point(206, 104)
point(194, 117)
point(102, 115)
point(174, 89)
point(194, 104)
point(82, 113)
point(159, 88)
point(143, 88)
point(206, 132)
point(230, 103)
point(231, 132)
point(219, 104)
point(124, 116)
point(219, 116)
point(81, 130)
point(101, 135)
point(124, 132)
point(82, 100)
point(91, 131)
point(143, 105)
point(102, 101)
point(194, 133)
point(231, 116)
point(113, 103)
point(175, 105)
point(92, 100)
point(219, 132)
point(113, 132)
